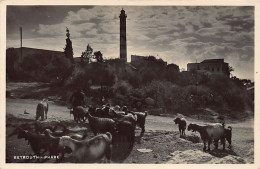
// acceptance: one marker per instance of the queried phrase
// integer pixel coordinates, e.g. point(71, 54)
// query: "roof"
point(213, 61)
point(26, 48)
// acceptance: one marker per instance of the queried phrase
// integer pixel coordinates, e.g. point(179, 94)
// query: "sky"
point(176, 34)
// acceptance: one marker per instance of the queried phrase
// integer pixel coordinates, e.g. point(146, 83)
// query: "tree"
point(230, 69)
point(68, 51)
point(99, 56)
point(87, 54)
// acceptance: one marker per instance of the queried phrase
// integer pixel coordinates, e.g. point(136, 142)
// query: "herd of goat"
point(106, 123)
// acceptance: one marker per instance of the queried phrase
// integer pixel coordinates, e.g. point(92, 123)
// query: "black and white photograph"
point(129, 84)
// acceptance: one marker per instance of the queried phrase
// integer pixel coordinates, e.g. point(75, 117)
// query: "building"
point(210, 66)
point(138, 58)
point(33, 51)
point(123, 49)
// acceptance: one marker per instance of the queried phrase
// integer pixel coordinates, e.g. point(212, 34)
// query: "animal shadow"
point(222, 153)
point(192, 138)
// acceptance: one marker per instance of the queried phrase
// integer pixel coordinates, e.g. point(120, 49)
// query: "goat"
point(103, 113)
point(56, 150)
point(89, 150)
point(117, 108)
point(42, 108)
point(40, 128)
point(210, 133)
point(79, 113)
point(38, 142)
point(182, 125)
point(25, 126)
point(128, 115)
point(126, 128)
point(228, 136)
point(100, 112)
point(101, 125)
point(140, 116)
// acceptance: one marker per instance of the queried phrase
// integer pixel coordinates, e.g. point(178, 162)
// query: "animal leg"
point(42, 117)
point(224, 143)
point(216, 144)
point(108, 153)
point(209, 142)
point(204, 148)
point(45, 115)
point(143, 128)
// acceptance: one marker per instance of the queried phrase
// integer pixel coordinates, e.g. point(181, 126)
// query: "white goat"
point(89, 150)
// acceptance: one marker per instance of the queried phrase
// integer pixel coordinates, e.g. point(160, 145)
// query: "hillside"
point(148, 84)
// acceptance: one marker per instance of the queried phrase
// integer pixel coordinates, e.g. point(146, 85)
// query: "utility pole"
point(196, 78)
point(21, 50)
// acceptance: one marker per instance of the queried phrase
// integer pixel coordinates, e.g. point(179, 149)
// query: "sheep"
point(89, 150)
point(210, 133)
point(42, 108)
point(79, 113)
point(101, 125)
point(182, 125)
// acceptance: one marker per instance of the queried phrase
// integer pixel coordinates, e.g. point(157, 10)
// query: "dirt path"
point(161, 135)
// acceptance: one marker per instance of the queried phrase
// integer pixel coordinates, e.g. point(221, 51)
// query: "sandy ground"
point(161, 137)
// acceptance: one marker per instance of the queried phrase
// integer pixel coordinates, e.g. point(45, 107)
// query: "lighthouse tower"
point(123, 51)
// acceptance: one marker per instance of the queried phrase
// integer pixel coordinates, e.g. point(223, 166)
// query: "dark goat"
point(38, 142)
point(127, 129)
point(210, 133)
point(101, 125)
point(98, 112)
point(79, 113)
point(228, 136)
point(41, 128)
point(26, 126)
point(182, 125)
